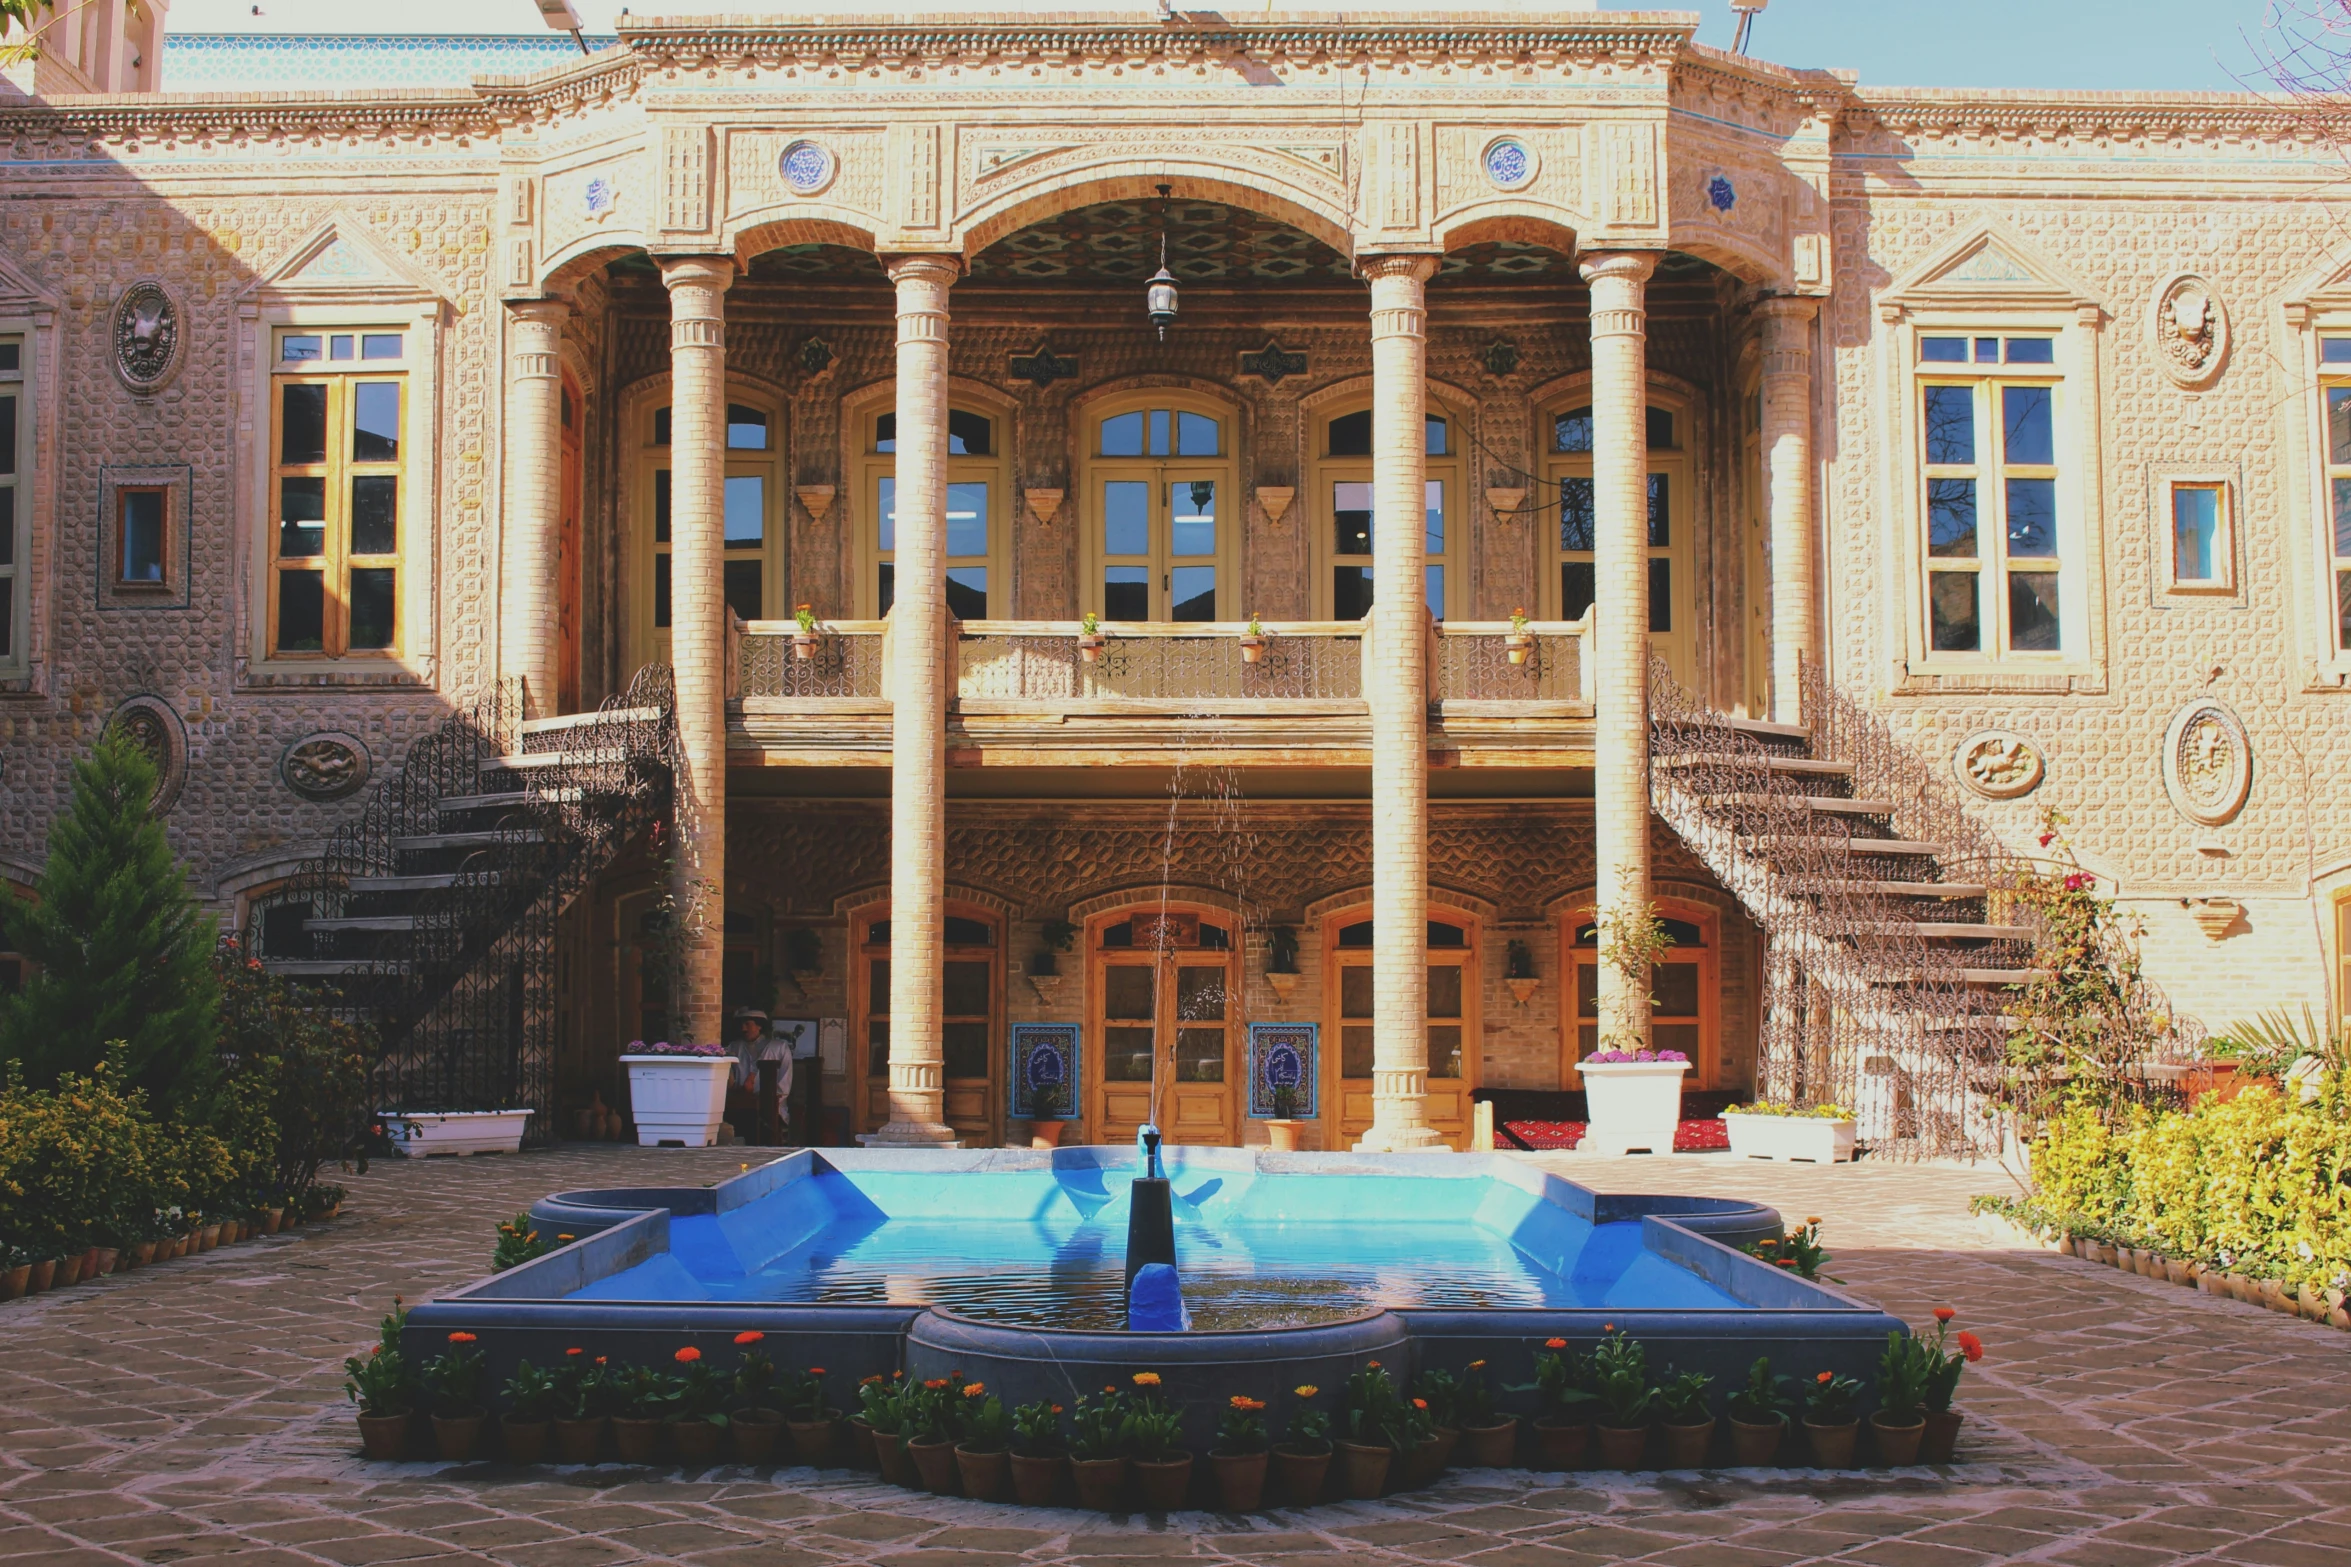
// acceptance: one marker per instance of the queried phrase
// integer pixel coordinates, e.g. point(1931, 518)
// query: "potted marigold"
point(1520, 642)
point(530, 1404)
point(1686, 1416)
point(1252, 641)
point(804, 638)
point(1436, 1397)
point(1759, 1414)
point(983, 1458)
point(1303, 1460)
point(1489, 1439)
point(643, 1397)
point(1624, 1397)
point(1155, 1435)
point(883, 1409)
point(1098, 1448)
point(1039, 1455)
point(930, 1433)
point(454, 1379)
point(698, 1419)
point(760, 1411)
point(579, 1406)
point(1904, 1369)
point(1941, 1436)
point(1090, 636)
point(1375, 1424)
point(808, 1417)
point(378, 1383)
point(1829, 1421)
point(1563, 1404)
point(1239, 1456)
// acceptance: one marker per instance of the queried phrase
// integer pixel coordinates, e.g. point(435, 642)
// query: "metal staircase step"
point(362, 922)
point(331, 968)
point(427, 881)
point(1802, 766)
point(1901, 846)
point(506, 800)
point(1948, 890)
point(1764, 730)
point(1964, 976)
point(1826, 804)
point(1947, 930)
point(532, 761)
point(468, 840)
point(617, 715)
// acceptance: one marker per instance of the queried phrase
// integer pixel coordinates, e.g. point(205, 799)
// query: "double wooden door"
point(1453, 1028)
point(1162, 991)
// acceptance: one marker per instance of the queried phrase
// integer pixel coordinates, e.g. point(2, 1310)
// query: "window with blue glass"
point(1993, 549)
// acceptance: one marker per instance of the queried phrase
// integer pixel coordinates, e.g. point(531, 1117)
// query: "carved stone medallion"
point(151, 722)
point(325, 766)
point(2207, 763)
point(146, 336)
point(1999, 765)
point(2190, 328)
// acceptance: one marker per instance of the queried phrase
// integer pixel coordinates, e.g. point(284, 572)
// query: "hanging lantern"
point(1159, 295)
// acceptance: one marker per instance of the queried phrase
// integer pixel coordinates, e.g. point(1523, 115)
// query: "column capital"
point(1782, 310)
point(551, 311)
point(939, 269)
point(1418, 265)
point(716, 273)
point(1617, 266)
point(1787, 335)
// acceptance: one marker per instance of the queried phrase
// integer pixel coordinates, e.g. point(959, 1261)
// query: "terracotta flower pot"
point(1420, 1467)
point(69, 1272)
point(1832, 1446)
point(16, 1280)
point(1240, 1480)
point(812, 1440)
point(142, 1254)
point(208, 1237)
point(1163, 1484)
point(1686, 1446)
point(384, 1437)
point(889, 1451)
point(1282, 1136)
point(1301, 1476)
point(860, 1436)
point(697, 1440)
point(271, 1218)
point(1897, 1439)
point(753, 1433)
point(458, 1435)
point(1562, 1443)
point(1102, 1483)
point(1623, 1447)
point(1036, 1478)
point(1490, 1447)
point(579, 1441)
point(106, 1257)
point(640, 1441)
point(1366, 1469)
point(89, 1264)
point(525, 1440)
point(935, 1462)
point(1754, 1445)
point(40, 1276)
point(983, 1474)
point(1252, 649)
point(1941, 1437)
point(1046, 1134)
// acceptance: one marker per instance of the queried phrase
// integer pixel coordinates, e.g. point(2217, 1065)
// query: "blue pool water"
point(1046, 1247)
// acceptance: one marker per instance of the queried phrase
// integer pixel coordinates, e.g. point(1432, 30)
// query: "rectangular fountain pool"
point(1045, 1246)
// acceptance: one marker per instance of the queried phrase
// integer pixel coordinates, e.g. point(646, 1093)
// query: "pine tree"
point(122, 950)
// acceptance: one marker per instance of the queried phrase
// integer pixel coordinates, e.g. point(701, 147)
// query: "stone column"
point(922, 677)
point(1620, 625)
point(698, 633)
point(1787, 456)
point(1396, 683)
point(528, 596)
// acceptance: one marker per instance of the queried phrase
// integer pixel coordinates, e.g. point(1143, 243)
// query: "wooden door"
point(971, 995)
point(567, 560)
point(1163, 1008)
point(1685, 993)
point(1453, 1027)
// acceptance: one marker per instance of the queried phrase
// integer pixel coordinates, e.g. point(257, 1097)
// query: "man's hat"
point(744, 1012)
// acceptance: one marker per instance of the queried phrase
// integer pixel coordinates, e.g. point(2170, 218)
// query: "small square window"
point(1943, 350)
point(11, 356)
point(2334, 350)
point(380, 345)
point(301, 348)
point(139, 537)
point(1987, 350)
point(339, 346)
point(2032, 350)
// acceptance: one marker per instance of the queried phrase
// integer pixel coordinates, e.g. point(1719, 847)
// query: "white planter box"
point(1802, 1139)
point(1631, 1105)
point(420, 1134)
point(677, 1100)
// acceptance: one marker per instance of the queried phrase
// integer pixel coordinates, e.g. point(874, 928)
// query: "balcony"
point(1028, 694)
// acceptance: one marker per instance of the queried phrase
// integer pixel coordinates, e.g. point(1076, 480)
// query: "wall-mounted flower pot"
point(804, 645)
point(1252, 649)
point(1519, 645)
point(1283, 984)
point(1523, 987)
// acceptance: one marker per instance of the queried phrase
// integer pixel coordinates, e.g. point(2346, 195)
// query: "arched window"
point(1163, 985)
point(1342, 508)
point(1162, 520)
point(977, 493)
point(972, 993)
point(755, 560)
point(1685, 991)
point(1454, 1024)
point(1567, 472)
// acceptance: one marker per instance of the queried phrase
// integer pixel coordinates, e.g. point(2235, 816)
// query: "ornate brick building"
point(1779, 492)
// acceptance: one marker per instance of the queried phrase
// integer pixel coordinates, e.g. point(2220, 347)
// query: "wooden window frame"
point(1328, 472)
point(1990, 471)
point(652, 459)
point(15, 559)
point(2223, 582)
point(1706, 1065)
point(338, 560)
point(869, 1096)
point(1675, 463)
point(1224, 469)
point(2335, 552)
point(1469, 957)
point(861, 419)
point(162, 581)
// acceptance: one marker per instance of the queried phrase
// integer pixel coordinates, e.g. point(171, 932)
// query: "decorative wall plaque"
point(1500, 357)
point(1999, 765)
point(807, 167)
point(601, 198)
point(1721, 194)
point(816, 355)
point(1272, 364)
point(2207, 763)
point(146, 336)
point(325, 766)
point(2190, 327)
point(1044, 1053)
point(1509, 163)
point(1041, 367)
point(1282, 1055)
point(157, 729)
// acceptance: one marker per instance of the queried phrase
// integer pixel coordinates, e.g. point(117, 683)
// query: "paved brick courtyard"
point(193, 1411)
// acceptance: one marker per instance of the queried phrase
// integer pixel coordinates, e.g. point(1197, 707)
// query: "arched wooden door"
point(1685, 992)
point(972, 995)
point(1162, 991)
point(1454, 1025)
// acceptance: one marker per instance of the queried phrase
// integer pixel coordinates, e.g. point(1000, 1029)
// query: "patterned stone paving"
point(192, 1411)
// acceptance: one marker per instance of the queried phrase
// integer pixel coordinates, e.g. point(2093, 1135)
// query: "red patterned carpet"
point(1688, 1137)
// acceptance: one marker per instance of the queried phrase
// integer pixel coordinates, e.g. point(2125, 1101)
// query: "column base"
point(911, 1134)
point(1402, 1139)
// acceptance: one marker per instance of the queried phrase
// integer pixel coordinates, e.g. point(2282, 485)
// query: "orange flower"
point(749, 1338)
point(869, 1381)
point(1475, 1365)
point(562, 1237)
point(1057, 1409)
point(1944, 1313)
point(1815, 1219)
point(461, 1338)
point(1420, 1403)
point(816, 1371)
point(935, 1383)
point(600, 1359)
point(1306, 1390)
point(1826, 1376)
point(575, 1352)
point(1246, 1404)
point(1555, 1343)
point(975, 1390)
point(688, 1355)
point(1787, 1262)
point(1146, 1379)
point(1971, 1346)
point(1608, 1327)
point(1371, 1365)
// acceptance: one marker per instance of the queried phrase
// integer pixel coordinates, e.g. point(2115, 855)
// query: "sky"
point(2150, 45)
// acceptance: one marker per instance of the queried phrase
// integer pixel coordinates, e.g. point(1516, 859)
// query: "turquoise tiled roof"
point(226, 62)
